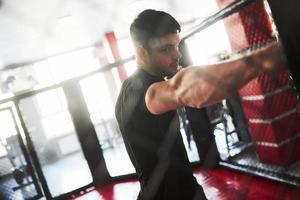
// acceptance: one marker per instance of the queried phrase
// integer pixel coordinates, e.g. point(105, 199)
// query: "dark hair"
point(151, 24)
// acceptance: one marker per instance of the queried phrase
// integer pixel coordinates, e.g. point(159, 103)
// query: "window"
point(205, 46)
point(127, 50)
point(73, 64)
point(98, 103)
point(65, 66)
point(7, 129)
point(55, 117)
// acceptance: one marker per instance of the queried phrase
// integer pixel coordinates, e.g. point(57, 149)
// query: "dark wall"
point(286, 14)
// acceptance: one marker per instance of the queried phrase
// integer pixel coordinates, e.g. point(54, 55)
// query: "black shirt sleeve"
point(134, 95)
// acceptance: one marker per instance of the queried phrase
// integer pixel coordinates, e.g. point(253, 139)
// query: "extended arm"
point(204, 85)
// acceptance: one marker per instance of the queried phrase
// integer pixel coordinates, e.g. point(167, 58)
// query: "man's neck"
point(150, 70)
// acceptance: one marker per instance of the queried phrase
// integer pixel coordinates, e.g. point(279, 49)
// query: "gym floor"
point(218, 183)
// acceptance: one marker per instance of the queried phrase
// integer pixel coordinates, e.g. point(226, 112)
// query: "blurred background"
point(62, 64)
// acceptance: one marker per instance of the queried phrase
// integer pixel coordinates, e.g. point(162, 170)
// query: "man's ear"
point(142, 54)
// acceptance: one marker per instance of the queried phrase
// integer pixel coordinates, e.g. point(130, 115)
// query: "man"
point(147, 103)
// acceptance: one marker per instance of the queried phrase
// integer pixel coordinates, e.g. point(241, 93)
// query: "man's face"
point(164, 54)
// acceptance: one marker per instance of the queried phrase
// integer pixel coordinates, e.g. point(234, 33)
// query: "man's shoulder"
point(130, 85)
point(130, 96)
point(136, 81)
